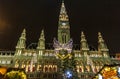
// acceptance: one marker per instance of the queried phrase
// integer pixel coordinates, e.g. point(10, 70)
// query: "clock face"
point(63, 24)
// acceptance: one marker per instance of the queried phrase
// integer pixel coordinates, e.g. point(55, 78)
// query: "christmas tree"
point(68, 66)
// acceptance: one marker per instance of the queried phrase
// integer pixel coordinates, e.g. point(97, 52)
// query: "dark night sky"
point(90, 16)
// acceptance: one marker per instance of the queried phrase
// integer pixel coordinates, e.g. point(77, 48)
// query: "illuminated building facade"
point(42, 63)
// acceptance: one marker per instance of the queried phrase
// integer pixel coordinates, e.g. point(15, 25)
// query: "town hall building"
point(62, 62)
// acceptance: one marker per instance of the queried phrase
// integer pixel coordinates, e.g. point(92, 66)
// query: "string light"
point(68, 74)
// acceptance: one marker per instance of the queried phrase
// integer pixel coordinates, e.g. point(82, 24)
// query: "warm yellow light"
point(3, 70)
point(109, 73)
point(107, 69)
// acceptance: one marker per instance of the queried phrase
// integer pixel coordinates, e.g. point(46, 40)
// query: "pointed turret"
point(21, 42)
point(63, 27)
point(84, 45)
point(101, 44)
point(41, 43)
point(85, 51)
point(63, 14)
point(21, 45)
point(102, 48)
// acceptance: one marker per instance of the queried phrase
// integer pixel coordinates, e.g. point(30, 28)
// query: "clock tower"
point(63, 27)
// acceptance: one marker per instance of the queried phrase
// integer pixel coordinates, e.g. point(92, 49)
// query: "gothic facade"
point(42, 63)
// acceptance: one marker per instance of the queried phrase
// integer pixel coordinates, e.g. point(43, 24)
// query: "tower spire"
point(63, 14)
point(84, 45)
point(41, 43)
point(21, 45)
point(63, 27)
point(101, 44)
point(21, 42)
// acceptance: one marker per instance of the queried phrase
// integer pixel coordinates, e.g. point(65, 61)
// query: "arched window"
point(16, 64)
point(55, 68)
point(23, 64)
point(64, 37)
point(46, 69)
point(39, 67)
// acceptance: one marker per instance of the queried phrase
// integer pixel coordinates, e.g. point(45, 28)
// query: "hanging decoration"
point(64, 56)
point(58, 47)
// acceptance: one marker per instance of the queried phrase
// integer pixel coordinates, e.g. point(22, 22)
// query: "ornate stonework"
point(42, 63)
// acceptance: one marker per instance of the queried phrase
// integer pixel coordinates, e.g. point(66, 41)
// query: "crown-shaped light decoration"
point(67, 46)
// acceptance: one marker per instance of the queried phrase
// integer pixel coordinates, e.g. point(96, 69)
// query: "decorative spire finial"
point(42, 33)
point(41, 43)
point(82, 36)
point(84, 45)
point(23, 35)
point(102, 46)
point(100, 37)
point(82, 33)
point(22, 39)
point(24, 30)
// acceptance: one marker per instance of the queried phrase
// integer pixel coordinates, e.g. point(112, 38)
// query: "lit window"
point(19, 52)
point(3, 62)
point(76, 55)
point(8, 62)
point(25, 54)
point(46, 54)
point(40, 52)
point(29, 54)
point(34, 54)
point(50, 54)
